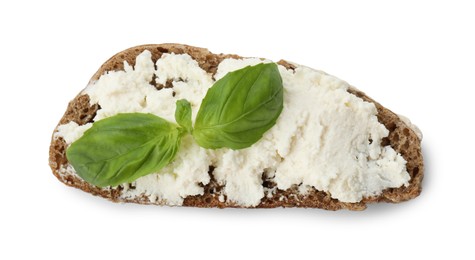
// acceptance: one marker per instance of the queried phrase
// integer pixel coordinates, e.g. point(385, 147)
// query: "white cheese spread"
point(325, 137)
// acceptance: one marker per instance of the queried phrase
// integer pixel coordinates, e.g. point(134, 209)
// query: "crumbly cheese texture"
point(325, 137)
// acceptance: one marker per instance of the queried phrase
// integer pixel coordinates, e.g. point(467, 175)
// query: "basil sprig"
point(183, 114)
point(123, 148)
point(239, 108)
point(236, 111)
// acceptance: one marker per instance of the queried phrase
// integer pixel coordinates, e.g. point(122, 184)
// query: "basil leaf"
point(183, 114)
point(240, 107)
point(123, 148)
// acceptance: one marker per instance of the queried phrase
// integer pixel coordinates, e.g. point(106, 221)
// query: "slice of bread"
point(402, 138)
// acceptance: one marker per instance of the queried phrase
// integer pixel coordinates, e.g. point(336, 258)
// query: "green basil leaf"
point(183, 114)
point(240, 107)
point(123, 148)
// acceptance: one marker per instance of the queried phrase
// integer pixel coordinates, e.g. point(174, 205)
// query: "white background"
point(416, 58)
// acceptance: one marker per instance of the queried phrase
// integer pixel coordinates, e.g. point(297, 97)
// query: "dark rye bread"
point(401, 137)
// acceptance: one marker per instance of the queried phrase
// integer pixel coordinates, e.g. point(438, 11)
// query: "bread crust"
point(401, 137)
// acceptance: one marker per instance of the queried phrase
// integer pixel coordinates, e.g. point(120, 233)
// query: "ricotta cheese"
point(325, 137)
point(71, 131)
